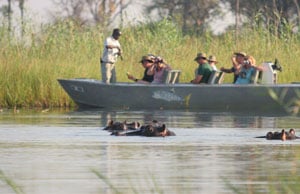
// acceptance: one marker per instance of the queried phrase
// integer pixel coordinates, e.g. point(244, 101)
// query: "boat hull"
point(218, 97)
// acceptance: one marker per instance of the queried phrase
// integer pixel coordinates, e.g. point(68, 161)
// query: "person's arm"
point(131, 77)
point(111, 47)
point(259, 68)
point(197, 79)
point(167, 67)
point(234, 62)
point(151, 70)
point(119, 53)
point(226, 70)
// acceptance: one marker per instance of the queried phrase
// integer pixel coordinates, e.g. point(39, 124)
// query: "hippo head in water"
point(282, 135)
point(156, 129)
point(112, 126)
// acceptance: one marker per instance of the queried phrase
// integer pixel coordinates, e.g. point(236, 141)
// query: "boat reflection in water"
point(185, 118)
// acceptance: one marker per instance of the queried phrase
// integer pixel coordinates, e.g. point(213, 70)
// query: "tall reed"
point(30, 68)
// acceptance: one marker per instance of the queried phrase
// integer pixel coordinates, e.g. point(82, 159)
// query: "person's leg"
point(103, 72)
point(106, 72)
point(113, 78)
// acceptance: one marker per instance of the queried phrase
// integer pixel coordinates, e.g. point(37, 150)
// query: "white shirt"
point(214, 67)
point(110, 55)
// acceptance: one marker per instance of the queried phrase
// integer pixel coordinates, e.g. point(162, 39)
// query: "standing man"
point(112, 49)
point(204, 70)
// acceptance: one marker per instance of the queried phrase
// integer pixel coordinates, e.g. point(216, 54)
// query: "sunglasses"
point(148, 61)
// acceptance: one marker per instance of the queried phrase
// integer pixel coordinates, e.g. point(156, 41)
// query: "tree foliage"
point(7, 11)
point(192, 15)
point(278, 16)
point(89, 11)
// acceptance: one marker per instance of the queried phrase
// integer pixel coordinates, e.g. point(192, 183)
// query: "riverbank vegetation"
point(30, 67)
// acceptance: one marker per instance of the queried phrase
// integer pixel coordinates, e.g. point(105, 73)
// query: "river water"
point(67, 152)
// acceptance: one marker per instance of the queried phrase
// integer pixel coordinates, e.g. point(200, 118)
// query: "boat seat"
point(216, 77)
point(171, 76)
point(254, 77)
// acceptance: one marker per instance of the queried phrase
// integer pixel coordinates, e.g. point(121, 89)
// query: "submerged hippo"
point(112, 126)
point(154, 129)
point(283, 135)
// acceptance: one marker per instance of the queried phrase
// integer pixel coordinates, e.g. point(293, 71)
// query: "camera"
point(158, 60)
point(246, 62)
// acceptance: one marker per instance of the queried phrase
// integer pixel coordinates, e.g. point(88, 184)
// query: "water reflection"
point(67, 152)
point(188, 119)
point(176, 119)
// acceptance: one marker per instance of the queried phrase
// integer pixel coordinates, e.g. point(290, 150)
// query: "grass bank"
point(30, 68)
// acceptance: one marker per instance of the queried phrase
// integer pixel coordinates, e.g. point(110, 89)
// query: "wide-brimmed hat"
point(147, 58)
point(212, 58)
point(200, 55)
point(243, 54)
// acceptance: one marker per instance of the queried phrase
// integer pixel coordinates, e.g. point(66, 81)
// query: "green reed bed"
point(30, 68)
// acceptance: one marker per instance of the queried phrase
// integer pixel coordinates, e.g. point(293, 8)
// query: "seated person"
point(147, 62)
point(157, 70)
point(237, 61)
point(212, 60)
point(247, 70)
point(204, 70)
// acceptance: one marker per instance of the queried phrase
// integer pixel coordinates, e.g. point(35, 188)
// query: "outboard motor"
point(269, 75)
point(276, 66)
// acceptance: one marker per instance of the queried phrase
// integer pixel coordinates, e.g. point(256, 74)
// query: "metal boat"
point(172, 95)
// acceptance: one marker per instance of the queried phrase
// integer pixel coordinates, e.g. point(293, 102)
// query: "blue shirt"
point(245, 76)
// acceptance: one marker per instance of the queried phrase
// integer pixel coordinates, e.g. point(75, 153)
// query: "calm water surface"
point(66, 152)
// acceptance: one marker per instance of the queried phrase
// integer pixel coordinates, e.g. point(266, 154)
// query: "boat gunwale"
point(129, 84)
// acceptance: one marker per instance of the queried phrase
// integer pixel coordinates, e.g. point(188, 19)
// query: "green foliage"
point(67, 50)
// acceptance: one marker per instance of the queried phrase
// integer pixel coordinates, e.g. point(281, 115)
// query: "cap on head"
point(212, 58)
point(117, 32)
point(200, 56)
point(243, 54)
point(148, 58)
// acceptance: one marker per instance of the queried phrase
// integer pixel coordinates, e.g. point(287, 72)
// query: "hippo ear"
point(110, 122)
point(292, 131)
point(137, 125)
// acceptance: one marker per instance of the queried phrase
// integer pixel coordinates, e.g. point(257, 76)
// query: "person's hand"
point(120, 51)
point(153, 67)
point(130, 76)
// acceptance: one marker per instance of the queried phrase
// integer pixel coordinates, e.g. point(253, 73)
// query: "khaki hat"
point(241, 54)
point(200, 55)
point(147, 58)
point(212, 58)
